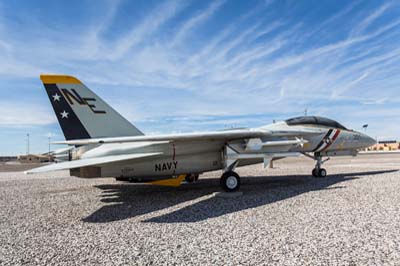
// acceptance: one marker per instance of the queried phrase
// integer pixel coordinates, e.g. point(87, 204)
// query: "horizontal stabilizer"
point(90, 162)
point(61, 151)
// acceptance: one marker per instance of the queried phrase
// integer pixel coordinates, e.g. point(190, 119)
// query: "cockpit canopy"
point(314, 120)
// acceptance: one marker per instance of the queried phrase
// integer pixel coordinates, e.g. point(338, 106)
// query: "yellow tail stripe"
point(59, 79)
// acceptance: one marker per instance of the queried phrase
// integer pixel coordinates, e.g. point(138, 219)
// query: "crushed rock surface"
point(284, 217)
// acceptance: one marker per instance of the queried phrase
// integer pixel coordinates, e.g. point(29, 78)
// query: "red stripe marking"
point(336, 135)
point(333, 139)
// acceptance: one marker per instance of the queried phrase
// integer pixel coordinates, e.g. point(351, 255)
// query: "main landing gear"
point(318, 171)
point(230, 181)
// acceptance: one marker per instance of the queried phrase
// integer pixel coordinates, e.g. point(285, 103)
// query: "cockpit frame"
point(314, 120)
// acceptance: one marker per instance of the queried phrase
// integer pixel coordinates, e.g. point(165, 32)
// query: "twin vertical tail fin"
point(81, 113)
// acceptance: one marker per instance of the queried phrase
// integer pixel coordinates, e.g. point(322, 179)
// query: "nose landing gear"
point(318, 171)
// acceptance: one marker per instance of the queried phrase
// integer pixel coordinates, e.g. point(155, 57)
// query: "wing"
point(90, 162)
point(227, 135)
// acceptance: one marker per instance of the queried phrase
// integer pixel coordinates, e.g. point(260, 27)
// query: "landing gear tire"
point(315, 172)
point(230, 181)
point(322, 173)
point(319, 172)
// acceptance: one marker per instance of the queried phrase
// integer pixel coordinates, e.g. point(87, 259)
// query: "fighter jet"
point(104, 144)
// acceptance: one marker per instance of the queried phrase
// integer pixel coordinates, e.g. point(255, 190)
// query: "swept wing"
point(226, 135)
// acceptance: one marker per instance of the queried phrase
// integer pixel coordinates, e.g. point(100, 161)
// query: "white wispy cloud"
point(148, 26)
point(14, 114)
point(187, 28)
point(257, 63)
point(332, 19)
point(91, 42)
point(370, 19)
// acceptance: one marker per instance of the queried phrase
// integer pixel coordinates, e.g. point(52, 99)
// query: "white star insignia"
point(56, 97)
point(64, 114)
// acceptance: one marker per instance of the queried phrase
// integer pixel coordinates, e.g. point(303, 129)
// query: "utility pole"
point(49, 145)
point(27, 143)
point(305, 112)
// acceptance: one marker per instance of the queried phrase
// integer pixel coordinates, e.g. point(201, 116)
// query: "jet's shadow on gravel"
point(130, 200)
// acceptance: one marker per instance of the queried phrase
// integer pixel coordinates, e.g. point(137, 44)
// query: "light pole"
point(27, 143)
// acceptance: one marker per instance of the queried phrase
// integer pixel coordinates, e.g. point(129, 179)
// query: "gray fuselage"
point(194, 157)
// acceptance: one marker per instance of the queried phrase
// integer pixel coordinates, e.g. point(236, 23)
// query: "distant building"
point(34, 158)
point(385, 145)
point(7, 158)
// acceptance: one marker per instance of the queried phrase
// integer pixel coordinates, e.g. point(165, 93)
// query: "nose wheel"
point(319, 172)
point(230, 181)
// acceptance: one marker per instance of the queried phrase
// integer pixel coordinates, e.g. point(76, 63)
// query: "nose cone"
point(367, 141)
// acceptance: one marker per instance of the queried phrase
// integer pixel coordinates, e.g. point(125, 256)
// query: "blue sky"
point(181, 66)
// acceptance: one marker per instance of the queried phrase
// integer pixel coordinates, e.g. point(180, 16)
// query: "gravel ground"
point(284, 217)
point(16, 166)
